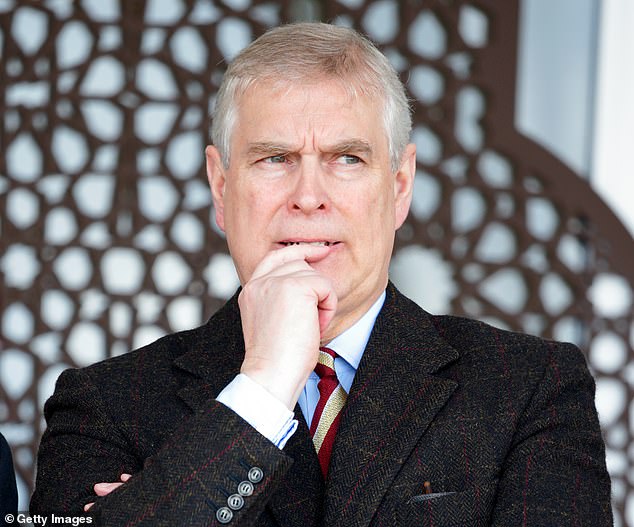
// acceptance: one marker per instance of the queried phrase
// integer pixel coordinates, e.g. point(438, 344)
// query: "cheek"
point(381, 208)
point(246, 203)
point(372, 219)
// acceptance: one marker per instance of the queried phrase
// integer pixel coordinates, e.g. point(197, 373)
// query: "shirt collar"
point(351, 344)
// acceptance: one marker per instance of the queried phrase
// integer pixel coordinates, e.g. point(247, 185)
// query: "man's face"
point(309, 163)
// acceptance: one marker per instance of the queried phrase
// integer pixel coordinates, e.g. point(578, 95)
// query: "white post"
point(612, 171)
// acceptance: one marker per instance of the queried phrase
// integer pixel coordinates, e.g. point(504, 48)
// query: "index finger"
point(274, 259)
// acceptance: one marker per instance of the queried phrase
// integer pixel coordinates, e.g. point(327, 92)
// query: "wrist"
point(285, 388)
point(264, 412)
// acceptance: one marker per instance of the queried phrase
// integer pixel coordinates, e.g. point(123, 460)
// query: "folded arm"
point(190, 478)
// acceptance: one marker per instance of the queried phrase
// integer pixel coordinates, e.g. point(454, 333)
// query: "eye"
point(279, 158)
point(349, 159)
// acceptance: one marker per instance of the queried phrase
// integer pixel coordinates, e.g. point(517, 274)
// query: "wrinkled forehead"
point(310, 97)
point(327, 107)
point(349, 92)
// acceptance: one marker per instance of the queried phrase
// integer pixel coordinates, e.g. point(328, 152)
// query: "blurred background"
point(522, 214)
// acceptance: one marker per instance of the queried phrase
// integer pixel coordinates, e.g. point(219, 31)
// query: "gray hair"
point(306, 51)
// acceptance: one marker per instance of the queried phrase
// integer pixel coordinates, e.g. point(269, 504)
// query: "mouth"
point(321, 243)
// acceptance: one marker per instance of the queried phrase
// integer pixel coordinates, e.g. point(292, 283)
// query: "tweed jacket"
point(502, 425)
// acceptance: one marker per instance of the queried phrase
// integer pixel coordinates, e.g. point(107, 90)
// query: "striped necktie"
point(332, 398)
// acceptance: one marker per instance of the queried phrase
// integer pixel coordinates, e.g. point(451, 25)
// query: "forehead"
point(326, 107)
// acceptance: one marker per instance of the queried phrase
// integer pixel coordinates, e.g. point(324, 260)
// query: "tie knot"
point(326, 363)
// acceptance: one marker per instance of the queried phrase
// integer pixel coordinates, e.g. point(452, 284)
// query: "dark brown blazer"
point(502, 425)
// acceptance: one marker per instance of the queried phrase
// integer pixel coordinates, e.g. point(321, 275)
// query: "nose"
point(309, 193)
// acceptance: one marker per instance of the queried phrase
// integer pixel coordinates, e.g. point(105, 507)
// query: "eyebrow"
point(357, 146)
point(267, 148)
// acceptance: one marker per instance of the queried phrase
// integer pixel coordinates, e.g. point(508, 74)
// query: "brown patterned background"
point(106, 236)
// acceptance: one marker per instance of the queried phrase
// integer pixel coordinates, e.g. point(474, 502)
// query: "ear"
point(404, 184)
point(217, 178)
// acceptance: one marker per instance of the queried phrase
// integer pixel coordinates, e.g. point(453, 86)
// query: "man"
point(445, 421)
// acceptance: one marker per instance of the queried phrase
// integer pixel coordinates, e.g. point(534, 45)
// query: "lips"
point(322, 243)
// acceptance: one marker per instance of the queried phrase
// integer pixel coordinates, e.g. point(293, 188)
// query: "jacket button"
point(224, 515)
point(255, 475)
point(245, 488)
point(235, 502)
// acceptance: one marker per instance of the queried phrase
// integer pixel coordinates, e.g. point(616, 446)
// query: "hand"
point(285, 308)
point(103, 489)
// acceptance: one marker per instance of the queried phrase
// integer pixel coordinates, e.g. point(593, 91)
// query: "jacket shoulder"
point(469, 335)
point(162, 353)
point(224, 326)
point(520, 355)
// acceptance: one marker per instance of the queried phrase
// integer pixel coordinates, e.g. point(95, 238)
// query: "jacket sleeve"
point(555, 472)
point(215, 469)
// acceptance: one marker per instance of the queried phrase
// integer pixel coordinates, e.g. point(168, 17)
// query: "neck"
point(344, 321)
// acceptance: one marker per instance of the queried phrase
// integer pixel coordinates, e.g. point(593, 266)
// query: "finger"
point(125, 477)
point(308, 253)
point(319, 286)
point(327, 307)
point(87, 506)
point(322, 288)
point(286, 269)
point(281, 257)
point(103, 489)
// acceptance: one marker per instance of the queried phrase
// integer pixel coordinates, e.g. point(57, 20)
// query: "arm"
point(284, 308)
point(555, 472)
point(189, 478)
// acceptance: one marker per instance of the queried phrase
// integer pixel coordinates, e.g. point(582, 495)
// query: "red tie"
point(332, 398)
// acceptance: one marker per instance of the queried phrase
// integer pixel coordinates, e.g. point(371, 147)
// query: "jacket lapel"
point(214, 358)
point(394, 398)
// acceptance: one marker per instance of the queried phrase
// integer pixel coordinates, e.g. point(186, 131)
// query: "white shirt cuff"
point(261, 409)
